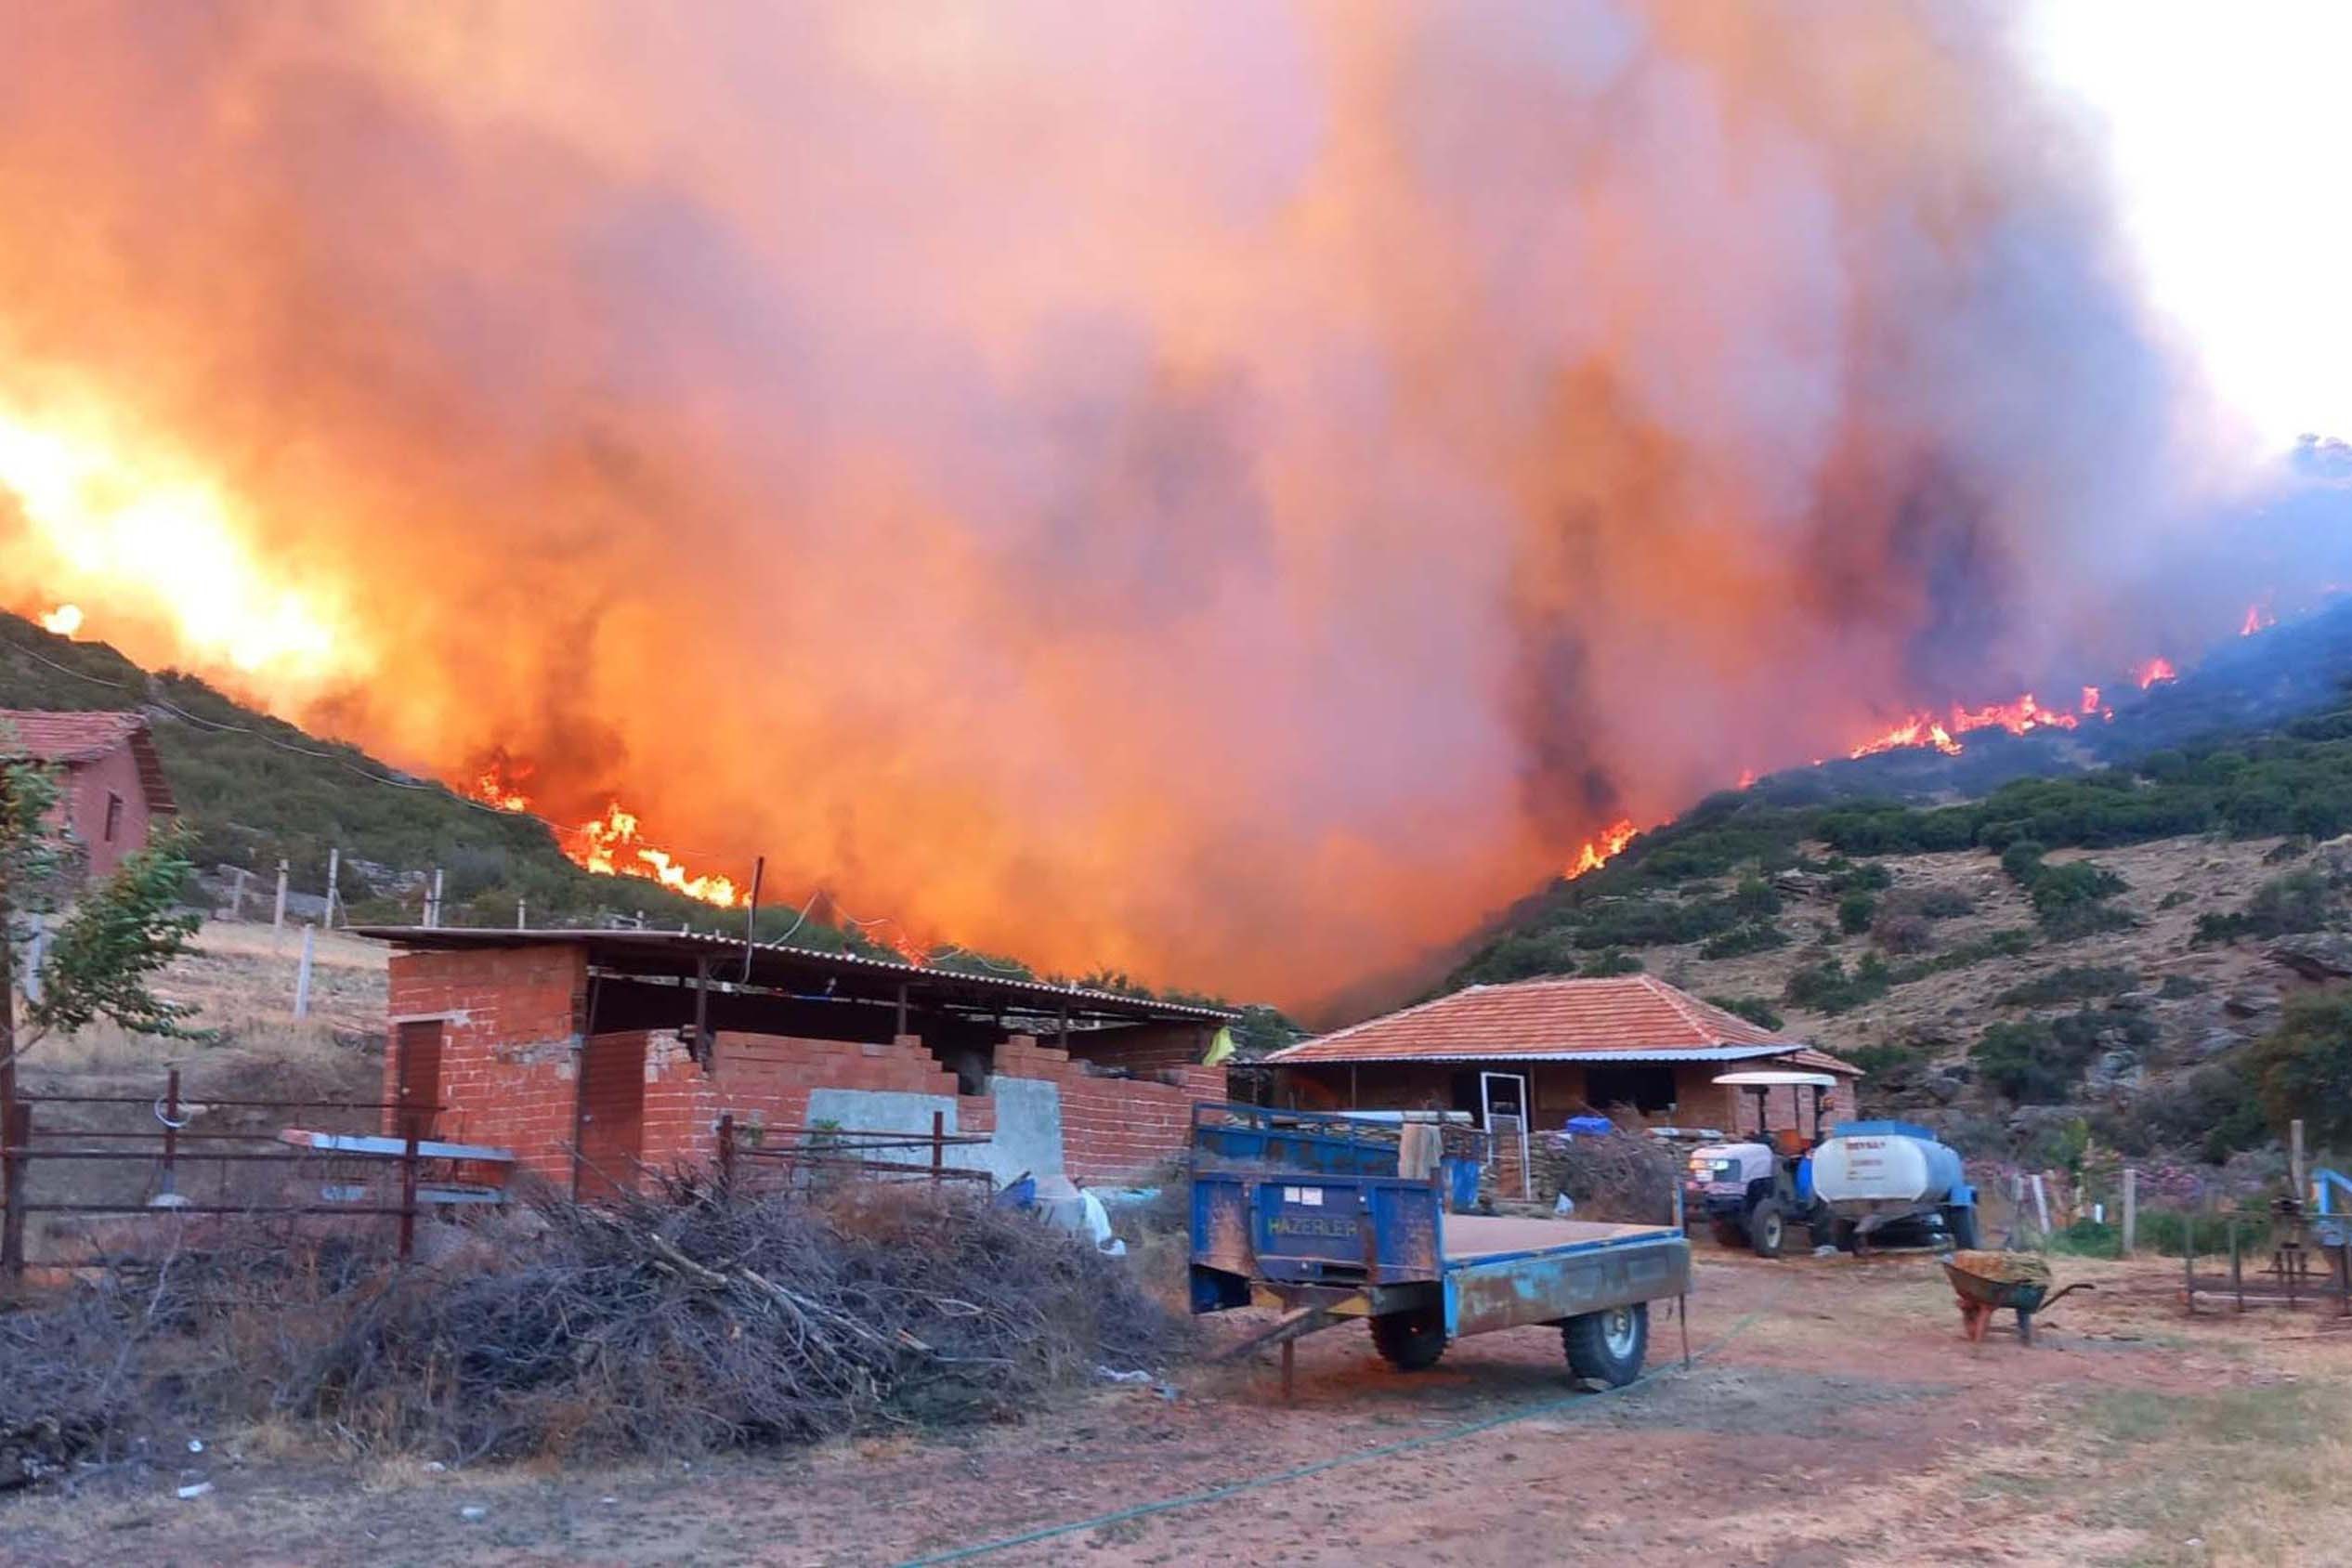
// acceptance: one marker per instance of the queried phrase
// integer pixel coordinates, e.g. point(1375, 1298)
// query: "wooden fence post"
point(334, 875)
point(938, 1146)
point(302, 971)
point(408, 1189)
point(15, 1154)
point(726, 1151)
point(278, 912)
point(2131, 1210)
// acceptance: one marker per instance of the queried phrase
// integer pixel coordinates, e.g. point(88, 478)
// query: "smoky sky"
point(1232, 492)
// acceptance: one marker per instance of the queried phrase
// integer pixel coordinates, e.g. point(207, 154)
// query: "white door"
point(1503, 1096)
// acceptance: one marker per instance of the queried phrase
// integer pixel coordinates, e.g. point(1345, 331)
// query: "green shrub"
point(1755, 899)
point(1761, 936)
point(2298, 901)
point(2024, 1063)
point(1827, 987)
point(1882, 1057)
point(1610, 961)
point(2069, 983)
point(2180, 987)
point(2304, 1067)
point(1855, 911)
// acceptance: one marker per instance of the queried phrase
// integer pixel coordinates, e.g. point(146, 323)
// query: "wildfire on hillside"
point(2258, 619)
point(1598, 851)
point(611, 845)
point(1926, 729)
point(2154, 671)
point(63, 622)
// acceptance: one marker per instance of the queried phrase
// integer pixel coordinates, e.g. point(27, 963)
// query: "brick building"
point(599, 1056)
point(1547, 1050)
point(114, 789)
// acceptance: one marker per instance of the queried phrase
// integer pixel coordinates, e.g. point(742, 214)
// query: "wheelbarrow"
point(1987, 1282)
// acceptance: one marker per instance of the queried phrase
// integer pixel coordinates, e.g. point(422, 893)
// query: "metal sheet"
point(1548, 1287)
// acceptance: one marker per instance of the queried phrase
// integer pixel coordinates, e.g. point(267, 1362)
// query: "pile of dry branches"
point(692, 1324)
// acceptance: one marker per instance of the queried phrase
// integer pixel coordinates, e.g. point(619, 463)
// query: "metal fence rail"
point(166, 1155)
point(814, 1153)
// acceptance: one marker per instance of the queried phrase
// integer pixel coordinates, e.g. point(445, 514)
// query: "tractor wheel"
point(1410, 1341)
point(1728, 1232)
point(1607, 1347)
point(1766, 1227)
point(1961, 1222)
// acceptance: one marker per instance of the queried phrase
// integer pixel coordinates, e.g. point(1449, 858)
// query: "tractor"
point(1752, 1192)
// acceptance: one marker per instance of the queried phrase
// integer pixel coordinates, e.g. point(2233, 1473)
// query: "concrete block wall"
point(510, 1046)
point(1113, 1128)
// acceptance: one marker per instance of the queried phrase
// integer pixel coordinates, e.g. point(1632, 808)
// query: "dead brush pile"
point(666, 1328)
point(1621, 1175)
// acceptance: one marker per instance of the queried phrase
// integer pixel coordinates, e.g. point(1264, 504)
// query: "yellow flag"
point(1219, 1048)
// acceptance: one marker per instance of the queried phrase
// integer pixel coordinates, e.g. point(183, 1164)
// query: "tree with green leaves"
point(115, 934)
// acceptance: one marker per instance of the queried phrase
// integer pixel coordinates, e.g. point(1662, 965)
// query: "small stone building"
point(600, 1056)
point(114, 790)
point(1531, 1055)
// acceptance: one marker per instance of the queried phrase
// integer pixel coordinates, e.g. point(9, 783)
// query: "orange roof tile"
point(68, 738)
point(64, 738)
point(1548, 1018)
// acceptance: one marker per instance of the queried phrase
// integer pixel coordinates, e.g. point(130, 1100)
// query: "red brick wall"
point(511, 1054)
point(83, 806)
point(510, 1046)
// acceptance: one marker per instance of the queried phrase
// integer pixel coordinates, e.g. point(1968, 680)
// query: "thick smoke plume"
point(1232, 492)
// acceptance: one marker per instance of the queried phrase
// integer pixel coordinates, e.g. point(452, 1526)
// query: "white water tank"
point(1873, 1163)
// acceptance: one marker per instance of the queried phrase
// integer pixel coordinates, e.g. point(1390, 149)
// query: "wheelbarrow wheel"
point(1410, 1341)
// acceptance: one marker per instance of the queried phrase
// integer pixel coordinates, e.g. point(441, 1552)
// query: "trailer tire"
point(1767, 1228)
point(1846, 1236)
point(1961, 1222)
point(1410, 1341)
point(1729, 1232)
point(1608, 1347)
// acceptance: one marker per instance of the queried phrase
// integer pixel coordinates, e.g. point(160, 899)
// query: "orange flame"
point(1925, 729)
point(2257, 620)
point(2155, 669)
point(611, 845)
point(1598, 853)
point(2090, 699)
point(64, 621)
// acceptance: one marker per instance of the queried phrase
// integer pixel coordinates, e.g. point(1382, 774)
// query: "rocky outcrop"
point(2324, 955)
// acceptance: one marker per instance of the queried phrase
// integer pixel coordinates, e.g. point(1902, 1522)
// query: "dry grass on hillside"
point(2213, 876)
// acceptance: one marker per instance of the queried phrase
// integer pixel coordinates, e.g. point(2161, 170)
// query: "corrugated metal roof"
point(774, 963)
point(1610, 1019)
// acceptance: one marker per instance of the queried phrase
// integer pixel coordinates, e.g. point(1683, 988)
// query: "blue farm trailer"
point(1308, 1213)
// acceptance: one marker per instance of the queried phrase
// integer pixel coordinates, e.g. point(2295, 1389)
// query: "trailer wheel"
point(1729, 1232)
point(1607, 1347)
point(1961, 1220)
point(1767, 1228)
point(1844, 1237)
point(1410, 1341)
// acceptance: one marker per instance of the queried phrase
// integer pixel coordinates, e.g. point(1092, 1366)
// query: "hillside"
point(2046, 936)
point(254, 790)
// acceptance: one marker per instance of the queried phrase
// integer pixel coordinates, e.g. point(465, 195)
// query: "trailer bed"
point(1473, 1239)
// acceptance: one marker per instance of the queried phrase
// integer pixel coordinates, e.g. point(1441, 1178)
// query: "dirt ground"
point(1833, 1416)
